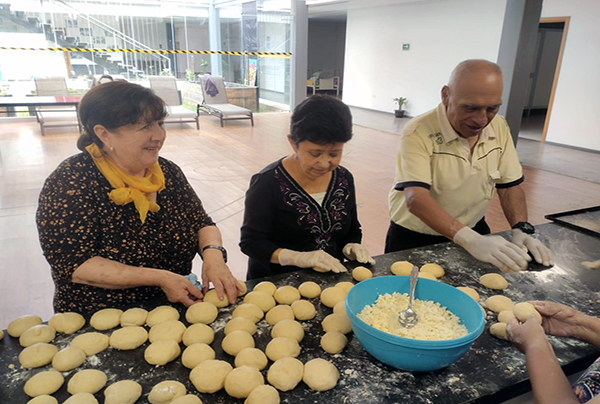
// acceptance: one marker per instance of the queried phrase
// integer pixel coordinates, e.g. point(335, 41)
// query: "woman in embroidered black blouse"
point(301, 210)
point(117, 223)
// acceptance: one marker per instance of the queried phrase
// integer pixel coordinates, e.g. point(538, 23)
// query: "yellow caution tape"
point(151, 51)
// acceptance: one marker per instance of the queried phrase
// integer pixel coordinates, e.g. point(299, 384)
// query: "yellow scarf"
point(129, 188)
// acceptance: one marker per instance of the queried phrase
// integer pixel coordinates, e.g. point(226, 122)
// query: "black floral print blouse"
point(280, 214)
point(77, 221)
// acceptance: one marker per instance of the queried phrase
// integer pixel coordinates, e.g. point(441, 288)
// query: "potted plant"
point(399, 112)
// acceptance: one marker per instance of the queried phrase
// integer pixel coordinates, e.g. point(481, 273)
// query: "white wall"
point(440, 33)
point(326, 43)
point(575, 118)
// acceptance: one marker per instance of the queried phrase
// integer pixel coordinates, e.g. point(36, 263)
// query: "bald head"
point(473, 67)
point(473, 96)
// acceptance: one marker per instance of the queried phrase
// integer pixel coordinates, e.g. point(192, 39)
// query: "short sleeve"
point(413, 165)
point(67, 221)
point(511, 172)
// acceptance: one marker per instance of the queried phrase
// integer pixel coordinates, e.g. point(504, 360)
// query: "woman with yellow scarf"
point(120, 225)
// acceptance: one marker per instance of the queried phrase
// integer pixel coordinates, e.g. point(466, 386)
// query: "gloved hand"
point(540, 252)
point(358, 252)
point(310, 259)
point(493, 249)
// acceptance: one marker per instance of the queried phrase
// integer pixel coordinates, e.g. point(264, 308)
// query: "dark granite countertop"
point(492, 371)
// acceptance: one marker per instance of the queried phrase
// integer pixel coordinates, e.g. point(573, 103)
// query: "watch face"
point(526, 227)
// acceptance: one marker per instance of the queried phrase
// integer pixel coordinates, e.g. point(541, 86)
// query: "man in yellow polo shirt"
point(450, 160)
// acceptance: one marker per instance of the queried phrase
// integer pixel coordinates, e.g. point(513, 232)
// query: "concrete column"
point(299, 62)
point(515, 57)
point(214, 37)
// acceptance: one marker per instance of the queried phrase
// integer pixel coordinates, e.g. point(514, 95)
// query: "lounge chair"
point(54, 116)
point(218, 105)
point(166, 88)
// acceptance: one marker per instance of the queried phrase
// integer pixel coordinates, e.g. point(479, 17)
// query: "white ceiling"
point(336, 10)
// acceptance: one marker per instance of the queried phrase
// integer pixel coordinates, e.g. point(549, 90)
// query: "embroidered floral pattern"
point(321, 221)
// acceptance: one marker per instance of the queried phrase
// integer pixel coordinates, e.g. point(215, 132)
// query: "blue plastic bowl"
point(410, 354)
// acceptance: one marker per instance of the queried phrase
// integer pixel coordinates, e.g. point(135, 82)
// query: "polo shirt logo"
point(438, 137)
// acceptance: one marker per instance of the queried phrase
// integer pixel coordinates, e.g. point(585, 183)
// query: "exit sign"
point(405, 46)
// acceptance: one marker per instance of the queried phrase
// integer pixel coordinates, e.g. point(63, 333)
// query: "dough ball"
point(278, 313)
point(195, 354)
point(333, 342)
point(264, 394)
point(401, 268)
point(469, 291)
point(106, 319)
point(198, 333)
point(493, 281)
point(87, 381)
point(251, 357)
point(165, 392)
point(309, 289)
point(303, 310)
point(171, 329)
point(241, 323)
point(244, 288)
point(340, 307)
point(46, 382)
point(68, 359)
point(91, 342)
point(285, 373)
point(337, 322)
point(162, 352)
point(122, 392)
point(433, 269)
point(134, 317)
point(201, 312)
point(345, 286)
point(1, 335)
point(427, 275)
point(128, 338)
point(498, 330)
point(211, 297)
point(330, 296)
point(523, 310)
point(250, 311)
point(162, 313)
point(43, 399)
point(20, 324)
point(320, 375)
point(35, 334)
point(281, 347)
point(288, 329)
point(262, 299)
point(237, 340)
point(321, 270)
point(505, 315)
point(286, 295)
point(267, 287)
point(37, 355)
point(209, 376)
point(498, 303)
point(241, 381)
point(361, 273)
point(187, 399)
point(81, 398)
point(67, 323)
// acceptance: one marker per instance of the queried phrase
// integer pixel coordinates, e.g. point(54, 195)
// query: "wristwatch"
point(216, 247)
point(525, 227)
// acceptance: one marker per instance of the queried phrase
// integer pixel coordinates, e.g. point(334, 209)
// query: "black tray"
point(586, 220)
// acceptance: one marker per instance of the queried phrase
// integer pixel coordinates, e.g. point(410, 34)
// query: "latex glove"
point(540, 252)
point(493, 249)
point(358, 252)
point(311, 259)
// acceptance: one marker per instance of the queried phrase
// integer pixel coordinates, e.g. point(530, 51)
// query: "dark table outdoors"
point(41, 101)
point(491, 372)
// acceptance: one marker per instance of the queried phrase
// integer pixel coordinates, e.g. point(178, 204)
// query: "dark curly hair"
point(321, 119)
point(116, 104)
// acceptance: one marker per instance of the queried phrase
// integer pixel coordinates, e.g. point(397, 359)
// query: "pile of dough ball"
point(428, 271)
point(521, 311)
